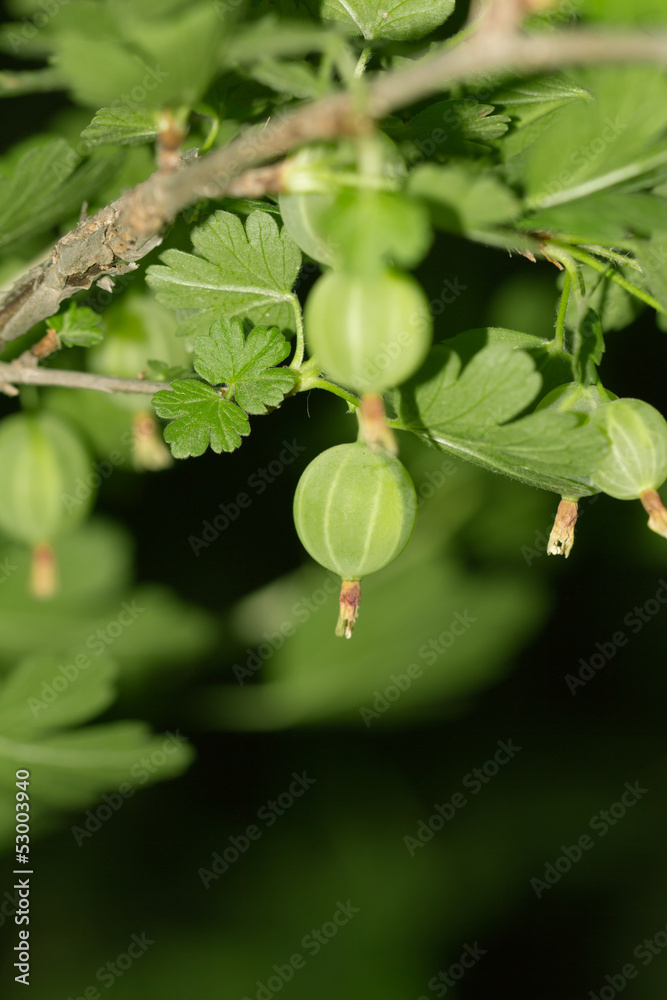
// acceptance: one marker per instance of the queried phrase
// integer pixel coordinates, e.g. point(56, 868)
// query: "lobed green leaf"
point(245, 364)
point(396, 19)
point(200, 416)
point(237, 271)
point(465, 412)
point(77, 326)
point(121, 126)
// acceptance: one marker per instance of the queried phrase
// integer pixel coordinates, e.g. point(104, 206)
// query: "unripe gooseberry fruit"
point(354, 511)
point(303, 214)
point(575, 398)
point(45, 487)
point(369, 332)
point(637, 460)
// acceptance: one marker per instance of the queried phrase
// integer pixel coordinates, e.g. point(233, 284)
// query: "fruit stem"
point(43, 571)
point(564, 256)
point(362, 63)
point(350, 596)
point(373, 428)
point(299, 346)
point(323, 383)
point(561, 538)
point(657, 513)
point(558, 341)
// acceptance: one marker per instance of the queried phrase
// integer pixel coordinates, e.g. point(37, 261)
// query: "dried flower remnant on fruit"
point(149, 451)
point(656, 510)
point(43, 571)
point(350, 597)
point(561, 538)
point(373, 427)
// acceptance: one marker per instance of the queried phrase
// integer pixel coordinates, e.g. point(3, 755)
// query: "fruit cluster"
point(369, 326)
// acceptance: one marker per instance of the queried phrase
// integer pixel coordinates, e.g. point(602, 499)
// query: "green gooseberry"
point(637, 461)
point(354, 512)
point(369, 332)
point(572, 397)
point(46, 488)
point(43, 466)
point(303, 214)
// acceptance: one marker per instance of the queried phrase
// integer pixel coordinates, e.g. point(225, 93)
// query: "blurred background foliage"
point(212, 617)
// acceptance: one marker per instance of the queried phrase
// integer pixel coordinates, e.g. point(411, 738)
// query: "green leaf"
point(462, 412)
point(606, 218)
point(245, 364)
point(397, 19)
point(98, 71)
point(200, 417)
point(496, 384)
point(640, 12)
point(44, 187)
point(463, 202)
point(588, 147)
point(31, 81)
point(238, 272)
point(588, 348)
point(121, 127)
point(554, 367)
point(274, 37)
point(69, 768)
point(300, 79)
point(652, 256)
point(95, 565)
point(77, 326)
point(122, 54)
point(453, 128)
point(529, 100)
point(553, 451)
point(90, 691)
